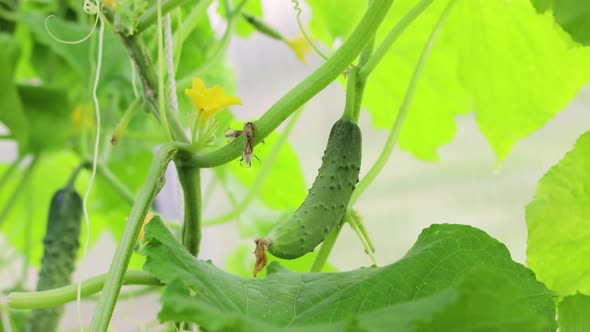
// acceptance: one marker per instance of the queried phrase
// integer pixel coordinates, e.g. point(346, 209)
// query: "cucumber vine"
point(201, 138)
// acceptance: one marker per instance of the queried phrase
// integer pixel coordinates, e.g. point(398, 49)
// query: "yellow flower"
point(209, 101)
point(147, 219)
point(300, 47)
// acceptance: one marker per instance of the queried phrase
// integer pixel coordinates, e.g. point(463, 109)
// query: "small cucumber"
point(327, 199)
point(61, 243)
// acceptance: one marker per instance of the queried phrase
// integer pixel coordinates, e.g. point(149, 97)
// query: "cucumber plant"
point(422, 60)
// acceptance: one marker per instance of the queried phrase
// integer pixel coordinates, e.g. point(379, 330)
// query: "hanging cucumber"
point(61, 243)
point(327, 199)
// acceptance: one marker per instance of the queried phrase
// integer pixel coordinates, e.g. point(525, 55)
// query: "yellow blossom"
point(300, 47)
point(77, 116)
point(147, 219)
point(209, 101)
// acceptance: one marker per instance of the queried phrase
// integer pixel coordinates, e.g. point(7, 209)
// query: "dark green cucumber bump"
point(61, 245)
point(327, 199)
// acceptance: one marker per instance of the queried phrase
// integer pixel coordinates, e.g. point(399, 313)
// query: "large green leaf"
point(574, 314)
point(11, 115)
point(574, 17)
point(558, 221)
point(455, 278)
point(495, 57)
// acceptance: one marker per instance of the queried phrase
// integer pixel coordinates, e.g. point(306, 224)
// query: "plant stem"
point(403, 111)
point(115, 183)
point(261, 177)
point(305, 90)
point(161, 59)
point(125, 120)
point(322, 257)
point(187, 25)
point(149, 81)
point(354, 224)
point(62, 295)
point(350, 95)
point(391, 37)
point(190, 181)
point(154, 183)
point(150, 16)
point(219, 48)
point(21, 185)
point(130, 295)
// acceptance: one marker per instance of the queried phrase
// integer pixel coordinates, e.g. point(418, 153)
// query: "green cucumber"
point(327, 199)
point(61, 243)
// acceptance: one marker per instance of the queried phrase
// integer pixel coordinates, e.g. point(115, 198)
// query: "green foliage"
point(417, 293)
point(541, 5)
point(285, 173)
point(574, 17)
point(242, 28)
point(558, 220)
point(15, 119)
point(574, 313)
point(512, 93)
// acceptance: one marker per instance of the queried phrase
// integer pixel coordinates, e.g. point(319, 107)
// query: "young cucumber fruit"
point(61, 243)
point(327, 199)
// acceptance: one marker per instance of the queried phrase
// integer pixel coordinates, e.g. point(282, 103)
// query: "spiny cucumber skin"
point(61, 243)
point(327, 199)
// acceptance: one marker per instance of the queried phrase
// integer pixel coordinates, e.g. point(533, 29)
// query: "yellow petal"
point(147, 219)
point(209, 101)
point(300, 47)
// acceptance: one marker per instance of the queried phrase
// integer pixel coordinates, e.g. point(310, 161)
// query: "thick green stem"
point(59, 296)
point(260, 178)
point(150, 16)
point(305, 90)
point(149, 80)
point(391, 37)
point(403, 111)
point(154, 183)
point(350, 95)
point(190, 181)
point(21, 185)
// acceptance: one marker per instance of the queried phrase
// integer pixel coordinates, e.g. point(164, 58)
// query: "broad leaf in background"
point(13, 117)
point(454, 277)
point(558, 222)
point(574, 314)
point(48, 111)
point(78, 56)
point(284, 185)
point(498, 58)
point(574, 17)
